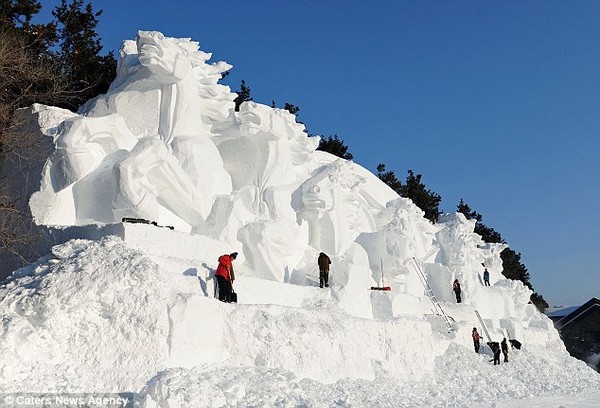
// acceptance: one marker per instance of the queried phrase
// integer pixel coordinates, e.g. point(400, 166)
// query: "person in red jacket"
point(225, 276)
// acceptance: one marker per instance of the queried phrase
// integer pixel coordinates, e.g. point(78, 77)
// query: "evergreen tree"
point(512, 267)
point(426, 200)
point(89, 72)
point(293, 109)
point(389, 178)
point(335, 146)
point(539, 302)
point(243, 95)
point(17, 15)
point(487, 234)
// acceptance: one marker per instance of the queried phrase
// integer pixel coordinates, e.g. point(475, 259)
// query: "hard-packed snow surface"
point(130, 307)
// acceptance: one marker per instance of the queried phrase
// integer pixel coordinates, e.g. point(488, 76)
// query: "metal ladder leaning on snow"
point(485, 330)
point(429, 292)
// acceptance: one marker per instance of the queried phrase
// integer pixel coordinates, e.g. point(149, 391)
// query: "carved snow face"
point(315, 201)
point(150, 52)
point(159, 53)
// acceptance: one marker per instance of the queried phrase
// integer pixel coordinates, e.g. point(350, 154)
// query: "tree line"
point(60, 63)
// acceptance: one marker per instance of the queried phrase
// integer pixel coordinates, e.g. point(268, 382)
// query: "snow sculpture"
point(402, 234)
point(83, 144)
point(465, 254)
point(267, 155)
point(76, 172)
point(178, 167)
point(457, 236)
point(165, 144)
point(155, 162)
point(492, 260)
point(335, 210)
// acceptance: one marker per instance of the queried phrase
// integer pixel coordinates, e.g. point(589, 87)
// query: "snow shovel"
point(382, 287)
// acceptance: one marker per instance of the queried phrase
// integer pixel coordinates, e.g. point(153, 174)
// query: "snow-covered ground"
point(99, 315)
point(122, 307)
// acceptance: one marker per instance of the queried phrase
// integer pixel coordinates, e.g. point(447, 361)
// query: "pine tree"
point(335, 146)
point(426, 200)
point(243, 95)
point(389, 178)
point(293, 109)
point(487, 234)
point(80, 47)
point(539, 302)
point(17, 15)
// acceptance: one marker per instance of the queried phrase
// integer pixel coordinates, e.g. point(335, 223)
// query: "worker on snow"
point(486, 277)
point(476, 339)
point(225, 276)
point(496, 349)
point(324, 263)
point(504, 347)
point(456, 289)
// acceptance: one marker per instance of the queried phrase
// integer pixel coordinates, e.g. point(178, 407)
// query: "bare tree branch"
point(25, 78)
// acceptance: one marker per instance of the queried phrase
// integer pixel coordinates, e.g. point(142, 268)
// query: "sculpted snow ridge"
point(166, 144)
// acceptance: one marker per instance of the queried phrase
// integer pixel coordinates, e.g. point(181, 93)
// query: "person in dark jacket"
point(225, 276)
point(476, 339)
point(486, 277)
point(504, 347)
point(456, 289)
point(324, 263)
point(496, 349)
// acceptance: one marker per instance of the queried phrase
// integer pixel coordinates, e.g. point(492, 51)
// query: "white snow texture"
point(134, 310)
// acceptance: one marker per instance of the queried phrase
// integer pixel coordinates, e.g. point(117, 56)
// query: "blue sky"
point(495, 102)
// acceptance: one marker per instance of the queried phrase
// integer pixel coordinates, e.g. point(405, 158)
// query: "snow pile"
point(99, 315)
point(130, 307)
point(461, 379)
point(79, 314)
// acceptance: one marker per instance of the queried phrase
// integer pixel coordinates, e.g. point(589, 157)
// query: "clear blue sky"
point(495, 102)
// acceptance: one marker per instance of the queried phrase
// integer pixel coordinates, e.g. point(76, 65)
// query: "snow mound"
point(92, 313)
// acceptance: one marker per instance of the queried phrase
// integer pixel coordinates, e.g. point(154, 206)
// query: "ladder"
point(429, 292)
point(485, 331)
